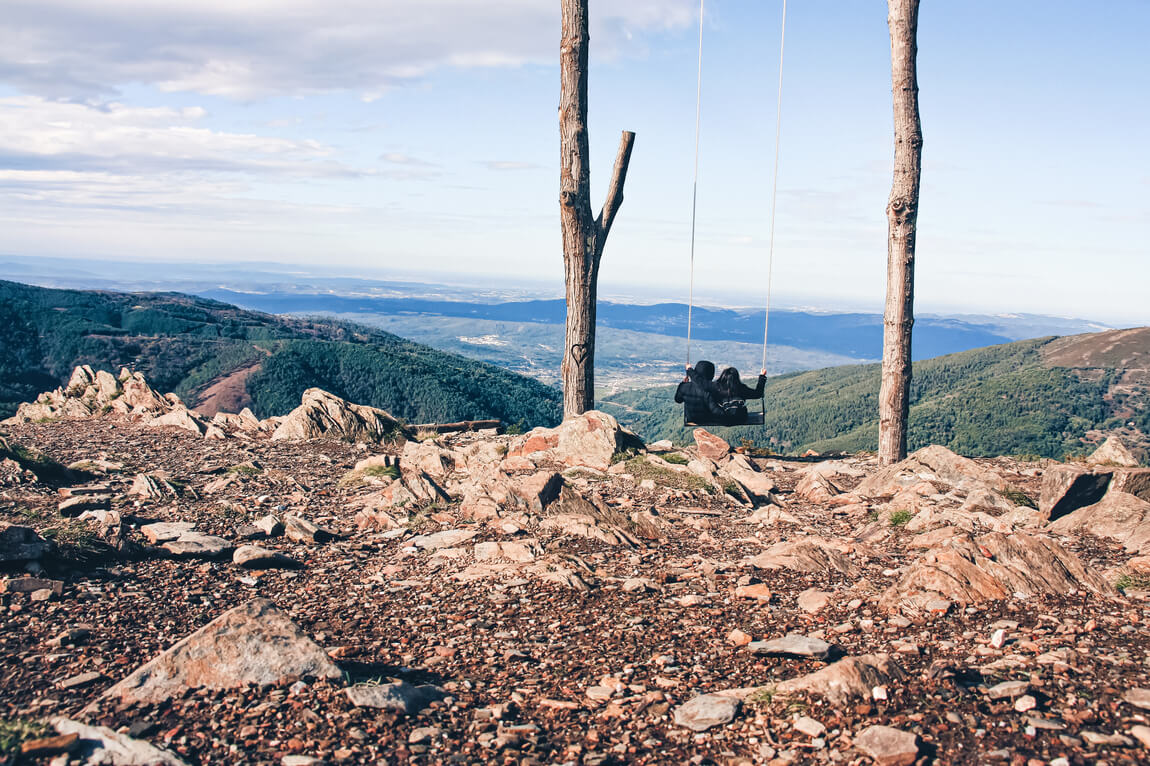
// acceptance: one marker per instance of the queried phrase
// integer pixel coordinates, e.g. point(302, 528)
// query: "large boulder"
point(710, 446)
point(1066, 488)
point(254, 643)
point(325, 416)
point(1113, 452)
point(590, 440)
point(19, 543)
point(758, 486)
point(933, 463)
point(1119, 516)
point(183, 418)
point(813, 555)
point(991, 567)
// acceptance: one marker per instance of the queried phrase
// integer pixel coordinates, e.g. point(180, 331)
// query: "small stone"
point(888, 746)
point(692, 599)
point(638, 585)
point(44, 594)
point(706, 711)
point(1025, 703)
point(422, 735)
point(1142, 734)
point(813, 601)
point(301, 760)
point(270, 526)
point(738, 638)
point(1097, 738)
point(255, 557)
point(794, 645)
point(70, 636)
point(301, 530)
point(809, 726)
point(998, 640)
point(83, 679)
point(1008, 690)
point(758, 591)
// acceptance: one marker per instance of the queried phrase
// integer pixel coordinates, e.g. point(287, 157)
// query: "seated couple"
point(720, 401)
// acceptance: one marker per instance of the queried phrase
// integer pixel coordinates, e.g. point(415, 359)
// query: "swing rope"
point(774, 184)
point(695, 180)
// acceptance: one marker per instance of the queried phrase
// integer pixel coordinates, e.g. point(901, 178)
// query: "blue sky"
point(420, 136)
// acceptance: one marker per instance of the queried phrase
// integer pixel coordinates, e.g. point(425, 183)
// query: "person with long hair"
point(733, 394)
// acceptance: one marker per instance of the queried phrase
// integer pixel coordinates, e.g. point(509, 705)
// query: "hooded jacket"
point(699, 395)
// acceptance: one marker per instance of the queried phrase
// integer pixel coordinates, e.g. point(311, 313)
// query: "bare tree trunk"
point(902, 218)
point(584, 235)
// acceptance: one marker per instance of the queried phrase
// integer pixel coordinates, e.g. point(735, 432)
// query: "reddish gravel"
point(516, 655)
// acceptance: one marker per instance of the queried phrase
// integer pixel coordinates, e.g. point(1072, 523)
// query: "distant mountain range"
point(215, 355)
point(855, 335)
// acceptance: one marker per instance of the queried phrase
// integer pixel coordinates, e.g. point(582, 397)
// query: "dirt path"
point(226, 394)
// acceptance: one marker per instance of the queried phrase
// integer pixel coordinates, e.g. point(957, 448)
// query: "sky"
point(420, 137)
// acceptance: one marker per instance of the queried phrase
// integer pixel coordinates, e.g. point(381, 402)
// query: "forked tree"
point(584, 234)
point(902, 219)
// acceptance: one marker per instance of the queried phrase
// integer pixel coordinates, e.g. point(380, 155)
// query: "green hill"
point(216, 355)
point(1035, 397)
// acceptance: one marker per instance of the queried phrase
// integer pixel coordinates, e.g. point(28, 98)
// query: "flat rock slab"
point(399, 696)
point(706, 711)
point(1139, 698)
point(888, 746)
point(254, 643)
point(813, 555)
point(99, 744)
point(74, 506)
point(301, 530)
point(449, 538)
point(165, 531)
point(848, 679)
point(197, 545)
point(255, 557)
point(1008, 690)
point(793, 645)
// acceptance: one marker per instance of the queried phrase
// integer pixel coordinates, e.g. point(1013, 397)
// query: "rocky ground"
point(565, 597)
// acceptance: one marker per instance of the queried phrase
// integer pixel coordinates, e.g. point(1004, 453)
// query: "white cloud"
point(79, 49)
point(36, 134)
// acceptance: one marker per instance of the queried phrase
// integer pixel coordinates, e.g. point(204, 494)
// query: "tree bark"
point(902, 219)
point(584, 234)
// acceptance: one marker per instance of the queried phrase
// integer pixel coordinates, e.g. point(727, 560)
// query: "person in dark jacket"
point(698, 393)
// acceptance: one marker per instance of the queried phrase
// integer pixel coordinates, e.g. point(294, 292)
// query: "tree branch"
point(615, 191)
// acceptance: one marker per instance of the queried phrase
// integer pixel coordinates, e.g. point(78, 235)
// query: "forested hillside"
point(1003, 399)
point(190, 345)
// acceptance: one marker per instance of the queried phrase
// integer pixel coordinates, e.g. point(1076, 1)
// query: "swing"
point(751, 418)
